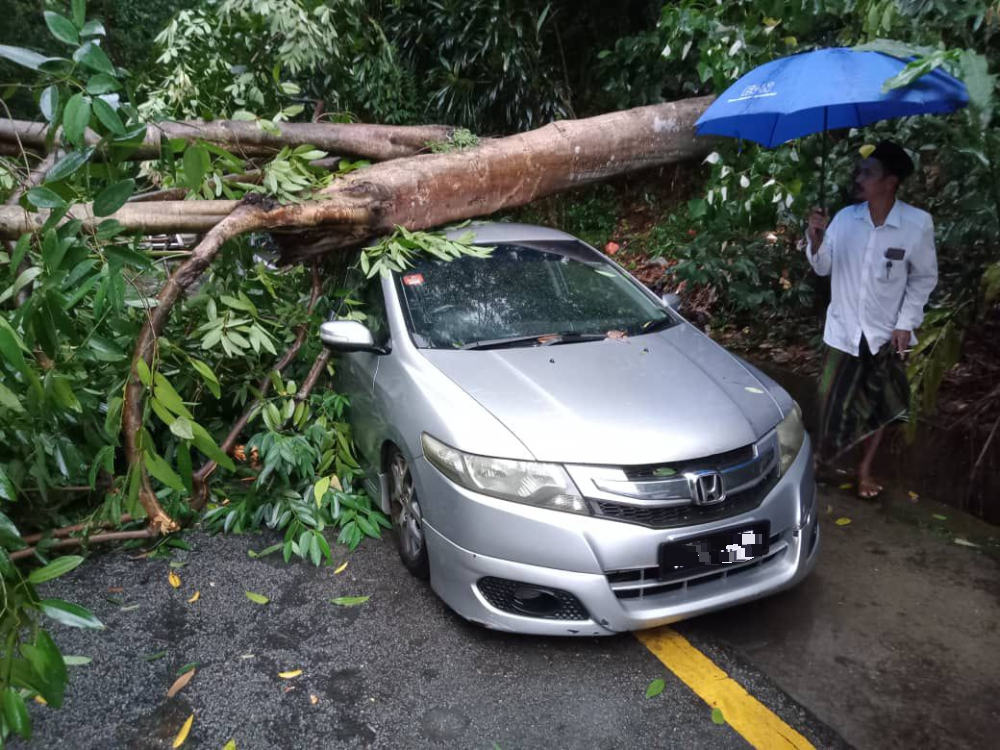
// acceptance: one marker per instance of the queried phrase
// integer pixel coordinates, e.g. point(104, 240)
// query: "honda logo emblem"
point(706, 487)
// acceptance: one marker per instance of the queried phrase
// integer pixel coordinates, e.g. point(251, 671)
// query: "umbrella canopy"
point(824, 90)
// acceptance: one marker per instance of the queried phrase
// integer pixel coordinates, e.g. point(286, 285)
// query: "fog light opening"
point(534, 601)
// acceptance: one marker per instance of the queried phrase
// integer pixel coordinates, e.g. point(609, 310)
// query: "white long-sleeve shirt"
point(872, 293)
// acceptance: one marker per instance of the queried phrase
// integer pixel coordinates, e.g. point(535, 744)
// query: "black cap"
point(894, 159)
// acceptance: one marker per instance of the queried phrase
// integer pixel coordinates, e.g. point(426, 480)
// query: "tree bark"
point(428, 190)
point(246, 139)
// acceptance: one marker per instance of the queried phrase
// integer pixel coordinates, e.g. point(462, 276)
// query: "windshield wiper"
point(656, 325)
point(554, 339)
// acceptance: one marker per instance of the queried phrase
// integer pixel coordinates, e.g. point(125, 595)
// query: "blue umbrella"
point(824, 90)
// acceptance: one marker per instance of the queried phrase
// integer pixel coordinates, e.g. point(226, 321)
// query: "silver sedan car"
point(561, 453)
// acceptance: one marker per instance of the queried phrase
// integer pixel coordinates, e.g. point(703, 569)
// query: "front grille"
point(686, 515)
point(729, 458)
point(639, 583)
point(499, 592)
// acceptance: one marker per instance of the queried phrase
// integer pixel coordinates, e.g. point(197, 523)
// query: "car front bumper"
point(471, 537)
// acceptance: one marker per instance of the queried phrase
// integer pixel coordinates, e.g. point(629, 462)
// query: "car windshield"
point(562, 290)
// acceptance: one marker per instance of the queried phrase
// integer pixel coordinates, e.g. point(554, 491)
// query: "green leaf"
point(143, 373)
point(320, 489)
point(102, 83)
point(265, 552)
point(204, 442)
point(9, 399)
point(108, 117)
point(48, 663)
point(167, 396)
point(76, 117)
point(59, 566)
point(194, 166)
point(69, 163)
point(155, 656)
point(69, 614)
point(94, 58)
point(208, 376)
point(349, 601)
point(63, 395)
point(79, 12)
point(93, 28)
point(257, 598)
point(42, 197)
point(76, 661)
point(62, 28)
point(49, 102)
point(655, 688)
point(717, 717)
point(8, 492)
point(24, 57)
point(161, 470)
point(113, 197)
point(15, 713)
point(181, 427)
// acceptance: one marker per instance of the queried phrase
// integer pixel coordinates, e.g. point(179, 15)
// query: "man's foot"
point(868, 488)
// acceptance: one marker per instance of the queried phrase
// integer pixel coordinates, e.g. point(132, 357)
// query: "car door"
point(356, 378)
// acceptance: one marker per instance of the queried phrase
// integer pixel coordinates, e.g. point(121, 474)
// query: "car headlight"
point(791, 435)
point(530, 482)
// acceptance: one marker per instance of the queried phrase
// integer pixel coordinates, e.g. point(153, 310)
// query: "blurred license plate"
point(737, 545)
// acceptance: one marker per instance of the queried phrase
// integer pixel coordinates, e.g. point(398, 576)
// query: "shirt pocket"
point(890, 271)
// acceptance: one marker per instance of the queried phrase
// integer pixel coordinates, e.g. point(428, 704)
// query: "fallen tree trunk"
point(378, 142)
point(428, 190)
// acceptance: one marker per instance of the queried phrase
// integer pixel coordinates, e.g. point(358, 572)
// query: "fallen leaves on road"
point(939, 517)
point(264, 552)
point(80, 661)
point(175, 580)
point(349, 601)
point(655, 688)
point(913, 496)
point(965, 543)
point(842, 521)
point(257, 598)
point(290, 674)
point(185, 731)
point(187, 667)
point(313, 699)
point(846, 486)
point(154, 656)
point(340, 569)
point(179, 683)
point(231, 745)
point(41, 701)
point(717, 717)
point(196, 597)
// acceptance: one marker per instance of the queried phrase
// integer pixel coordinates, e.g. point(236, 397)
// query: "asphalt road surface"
point(402, 671)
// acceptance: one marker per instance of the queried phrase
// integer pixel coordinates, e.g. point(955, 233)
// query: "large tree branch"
point(428, 190)
point(378, 142)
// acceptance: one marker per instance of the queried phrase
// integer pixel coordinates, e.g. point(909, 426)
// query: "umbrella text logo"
point(756, 91)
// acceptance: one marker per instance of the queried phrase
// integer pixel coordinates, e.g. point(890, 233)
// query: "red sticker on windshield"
point(413, 279)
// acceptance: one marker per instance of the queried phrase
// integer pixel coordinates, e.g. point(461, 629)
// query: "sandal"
point(869, 489)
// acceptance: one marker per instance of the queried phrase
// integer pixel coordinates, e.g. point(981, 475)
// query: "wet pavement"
point(892, 642)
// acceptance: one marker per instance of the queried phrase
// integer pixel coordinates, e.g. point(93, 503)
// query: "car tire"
point(407, 517)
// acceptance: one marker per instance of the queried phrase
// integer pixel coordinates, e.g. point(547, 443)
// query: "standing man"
point(883, 266)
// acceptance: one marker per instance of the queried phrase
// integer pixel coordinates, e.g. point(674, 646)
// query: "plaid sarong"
point(858, 396)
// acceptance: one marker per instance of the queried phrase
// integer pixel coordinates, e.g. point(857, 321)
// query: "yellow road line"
point(758, 725)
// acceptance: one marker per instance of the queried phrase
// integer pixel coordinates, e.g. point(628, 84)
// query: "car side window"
point(374, 309)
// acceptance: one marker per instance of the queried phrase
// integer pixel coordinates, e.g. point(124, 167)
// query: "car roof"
point(498, 232)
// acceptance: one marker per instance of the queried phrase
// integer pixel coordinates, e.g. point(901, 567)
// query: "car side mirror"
point(672, 301)
point(348, 336)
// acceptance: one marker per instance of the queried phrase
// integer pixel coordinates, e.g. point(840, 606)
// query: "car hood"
point(669, 396)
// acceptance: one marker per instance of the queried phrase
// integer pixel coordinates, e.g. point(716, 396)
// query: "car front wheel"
point(407, 519)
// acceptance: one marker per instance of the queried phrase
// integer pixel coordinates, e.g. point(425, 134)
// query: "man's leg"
point(867, 487)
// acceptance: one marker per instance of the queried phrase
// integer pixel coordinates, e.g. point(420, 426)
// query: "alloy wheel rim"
point(406, 515)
